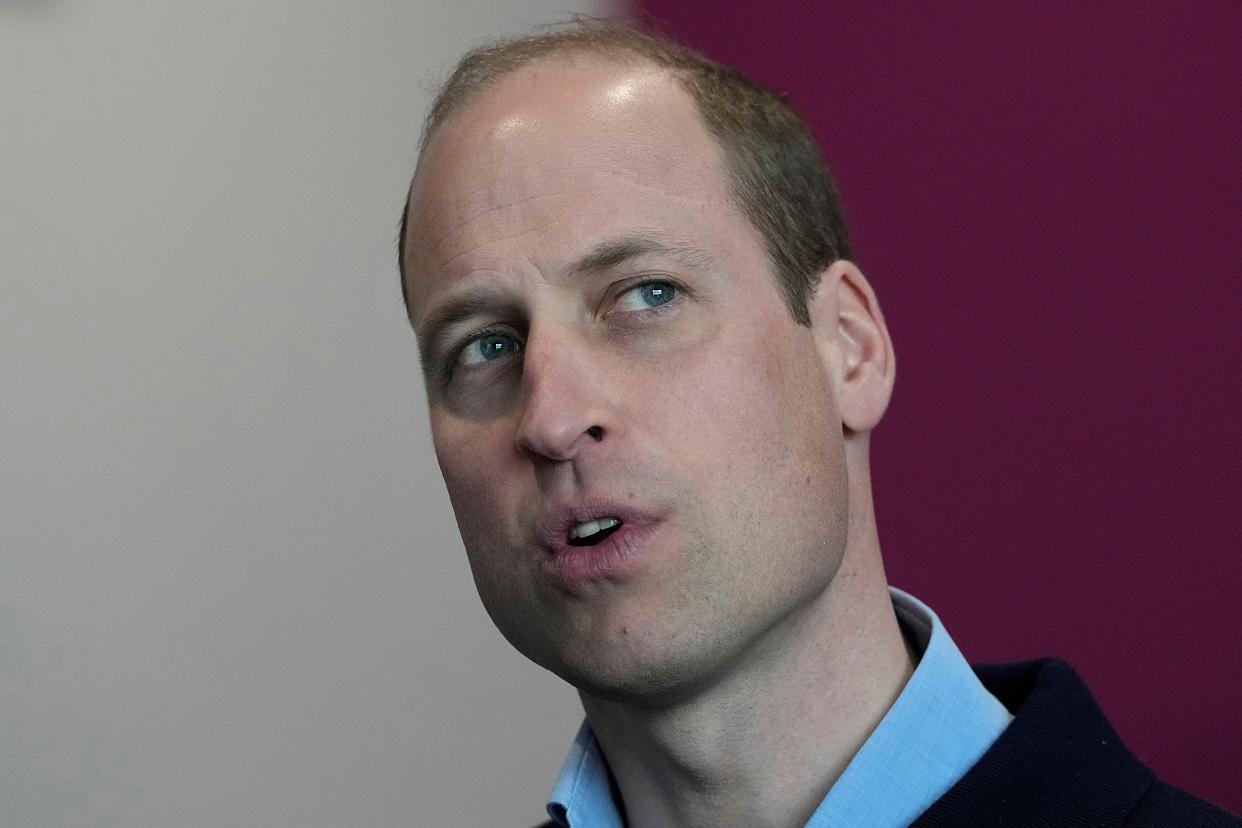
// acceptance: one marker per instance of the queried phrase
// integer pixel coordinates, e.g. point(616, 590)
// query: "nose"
point(566, 403)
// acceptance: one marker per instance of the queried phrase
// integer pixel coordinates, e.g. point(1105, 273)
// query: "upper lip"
point(554, 524)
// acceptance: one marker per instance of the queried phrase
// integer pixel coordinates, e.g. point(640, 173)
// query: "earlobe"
point(854, 343)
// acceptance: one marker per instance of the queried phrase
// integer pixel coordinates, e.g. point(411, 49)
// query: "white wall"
point(231, 590)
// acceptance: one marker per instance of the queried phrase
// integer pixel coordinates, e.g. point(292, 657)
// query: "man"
point(652, 372)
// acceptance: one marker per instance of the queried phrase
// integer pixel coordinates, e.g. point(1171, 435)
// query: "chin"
point(634, 687)
point(649, 678)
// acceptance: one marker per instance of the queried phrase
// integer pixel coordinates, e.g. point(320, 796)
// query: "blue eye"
point(488, 347)
point(656, 293)
point(647, 295)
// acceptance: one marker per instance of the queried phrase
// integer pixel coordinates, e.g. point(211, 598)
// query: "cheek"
point(750, 391)
point(472, 468)
point(756, 423)
point(475, 475)
point(457, 466)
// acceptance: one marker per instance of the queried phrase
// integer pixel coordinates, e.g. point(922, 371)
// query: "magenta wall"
point(1048, 199)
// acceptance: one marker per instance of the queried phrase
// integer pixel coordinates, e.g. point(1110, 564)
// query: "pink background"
point(1048, 199)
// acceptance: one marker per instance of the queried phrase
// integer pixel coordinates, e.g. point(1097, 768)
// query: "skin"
point(732, 672)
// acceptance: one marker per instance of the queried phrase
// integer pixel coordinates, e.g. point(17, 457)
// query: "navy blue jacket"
point(1059, 763)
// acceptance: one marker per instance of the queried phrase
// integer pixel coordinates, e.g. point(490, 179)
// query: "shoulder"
point(1061, 763)
point(1165, 805)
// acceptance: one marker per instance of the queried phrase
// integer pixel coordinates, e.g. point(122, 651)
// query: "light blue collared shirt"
point(941, 724)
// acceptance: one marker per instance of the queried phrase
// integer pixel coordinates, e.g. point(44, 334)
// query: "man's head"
point(604, 339)
point(777, 174)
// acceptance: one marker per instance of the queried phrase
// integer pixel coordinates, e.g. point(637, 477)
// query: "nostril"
point(596, 433)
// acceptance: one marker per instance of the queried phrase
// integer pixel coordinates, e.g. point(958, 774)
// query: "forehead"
point(553, 158)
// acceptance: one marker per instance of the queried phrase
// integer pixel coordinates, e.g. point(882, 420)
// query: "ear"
point(854, 344)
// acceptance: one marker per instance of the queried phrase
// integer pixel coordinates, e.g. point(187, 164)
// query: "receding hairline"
point(584, 37)
point(570, 57)
point(601, 40)
point(777, 173)
point(623, 58)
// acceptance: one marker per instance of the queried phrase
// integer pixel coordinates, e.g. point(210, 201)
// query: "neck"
point(762, 746)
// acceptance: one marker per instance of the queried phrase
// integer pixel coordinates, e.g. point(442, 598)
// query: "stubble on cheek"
point(485, 523)
point(772, 466)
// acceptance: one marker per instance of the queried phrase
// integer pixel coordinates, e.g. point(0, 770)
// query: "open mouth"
point(593, 531)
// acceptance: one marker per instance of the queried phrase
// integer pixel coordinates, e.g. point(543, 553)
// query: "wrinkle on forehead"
point(594, 134)
point(447, 267)
point(436, 244)
point(468, 223)
point(462, 249)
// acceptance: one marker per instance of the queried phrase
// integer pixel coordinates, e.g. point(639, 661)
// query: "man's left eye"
point(646, 296)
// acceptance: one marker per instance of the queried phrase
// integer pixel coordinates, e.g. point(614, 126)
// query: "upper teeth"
point(583, 530)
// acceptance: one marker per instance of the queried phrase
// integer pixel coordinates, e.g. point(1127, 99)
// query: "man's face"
point(604, 341)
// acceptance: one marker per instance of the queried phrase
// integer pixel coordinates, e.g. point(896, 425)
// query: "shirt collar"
point(583, 795)
point(942, 722)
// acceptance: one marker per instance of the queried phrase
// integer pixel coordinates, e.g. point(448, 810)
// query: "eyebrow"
point(439, 322)
point(607, 255)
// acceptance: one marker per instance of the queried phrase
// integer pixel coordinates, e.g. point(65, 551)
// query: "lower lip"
point(612, 558)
